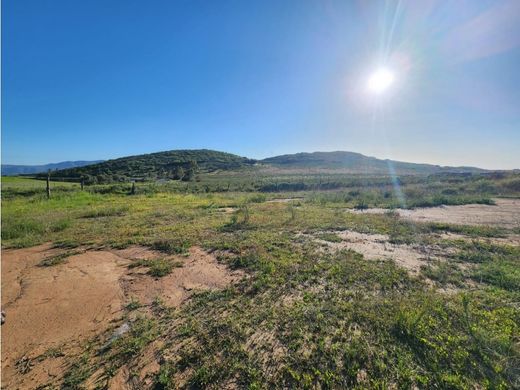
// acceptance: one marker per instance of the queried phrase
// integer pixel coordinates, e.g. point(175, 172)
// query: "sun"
point(380, 80)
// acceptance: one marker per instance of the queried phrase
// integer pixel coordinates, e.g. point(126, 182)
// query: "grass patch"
point(57, 259)
point(134, 304)
point(21, 228)
point(469, 230)
point(78, 373)
point(500, 273)
point(143, 331)
point(116, 211)
point(157, 267)
point(444, 273)
point(171, 246)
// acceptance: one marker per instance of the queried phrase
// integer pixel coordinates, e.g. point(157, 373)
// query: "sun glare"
point(380, 80)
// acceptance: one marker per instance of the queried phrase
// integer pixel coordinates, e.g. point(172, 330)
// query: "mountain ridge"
point(358, 161)
point(20, 169)
point(174, 164)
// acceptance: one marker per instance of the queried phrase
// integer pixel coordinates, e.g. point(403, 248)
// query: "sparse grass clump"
point(171, 246)
point(77, 373)
point(134, 304)
point(57, 259)
point(142, 331)
point(157, 267)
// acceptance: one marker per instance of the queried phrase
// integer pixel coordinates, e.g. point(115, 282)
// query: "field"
point(256, 279)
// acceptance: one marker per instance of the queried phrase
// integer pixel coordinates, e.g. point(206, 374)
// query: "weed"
point(157, 267)
point(106, 212)
point(77, 373)
point(143, 331)
point(171, 246)
point(134, 304)
point(57, 259)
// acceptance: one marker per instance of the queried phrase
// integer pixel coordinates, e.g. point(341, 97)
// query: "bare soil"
point(376, 247)
point(200, 271)
point(505, 213)
point(58, 308)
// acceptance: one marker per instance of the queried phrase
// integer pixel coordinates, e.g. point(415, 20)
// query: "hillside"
point(179, 164)
point(11, 170)
point(185, 164)
point(356, 163)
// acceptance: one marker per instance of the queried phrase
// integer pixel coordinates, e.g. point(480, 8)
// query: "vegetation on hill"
point(174, 164)
point(356, 162)
point(186, 165)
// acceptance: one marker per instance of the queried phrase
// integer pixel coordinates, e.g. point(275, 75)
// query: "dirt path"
point(58, 308)
point(506, 213)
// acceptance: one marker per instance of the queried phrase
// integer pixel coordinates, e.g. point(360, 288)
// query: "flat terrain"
point(183, 286)
point(56, 308)
point(504, 213)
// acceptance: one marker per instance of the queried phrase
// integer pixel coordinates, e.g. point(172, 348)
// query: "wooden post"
point(82, 183)
point(49, 184)
point(133, 188)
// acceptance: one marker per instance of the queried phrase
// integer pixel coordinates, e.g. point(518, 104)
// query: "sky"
point(98, 79)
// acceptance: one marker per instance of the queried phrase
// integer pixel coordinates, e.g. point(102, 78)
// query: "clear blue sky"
point(85, 80)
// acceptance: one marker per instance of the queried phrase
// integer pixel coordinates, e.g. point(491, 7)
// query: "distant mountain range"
point(175, 163)
point(11, 170)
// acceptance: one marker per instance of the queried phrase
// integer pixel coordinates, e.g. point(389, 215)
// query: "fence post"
point(82, 183)
point(49, 184)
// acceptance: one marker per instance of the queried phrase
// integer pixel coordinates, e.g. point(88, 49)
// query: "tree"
point(191, 171)
point(178, 173)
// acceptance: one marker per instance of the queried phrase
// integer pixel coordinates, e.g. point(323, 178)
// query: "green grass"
point(117, 211)
point(444, 273)
point(57, 259)
point(157, 267)
point(301, 318)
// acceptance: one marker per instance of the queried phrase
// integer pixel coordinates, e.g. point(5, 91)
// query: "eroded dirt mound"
point(52, 310)
point(505, 213)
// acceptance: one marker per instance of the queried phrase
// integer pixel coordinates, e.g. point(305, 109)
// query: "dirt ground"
point(376, 246)
point(506, 213)
point(51, 311)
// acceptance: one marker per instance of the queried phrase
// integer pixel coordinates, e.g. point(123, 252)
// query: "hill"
point(175, 164)
point(12, 170)
point(356, 163)
point(185, 164)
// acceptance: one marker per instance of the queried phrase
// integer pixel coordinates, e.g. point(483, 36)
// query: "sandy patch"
point(54, 306)
point(59, 307)
point(376, 246)
point(283, 200)
point(199, 271)
point(226, 210)
point(506, 213)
